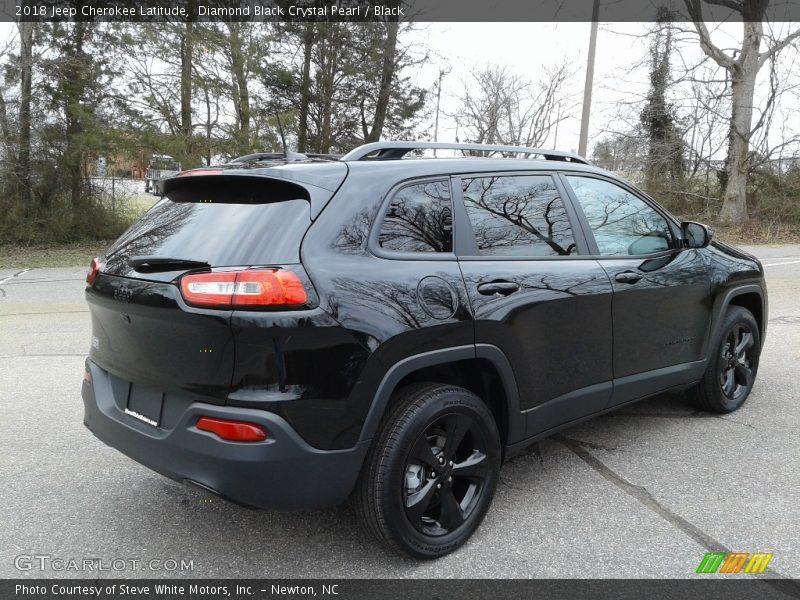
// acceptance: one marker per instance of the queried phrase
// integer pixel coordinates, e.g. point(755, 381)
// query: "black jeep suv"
point(288, 333)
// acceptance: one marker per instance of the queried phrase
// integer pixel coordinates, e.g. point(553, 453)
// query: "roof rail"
point(396, 150)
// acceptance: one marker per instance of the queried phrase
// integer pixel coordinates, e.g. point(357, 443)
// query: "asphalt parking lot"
point(644, 492)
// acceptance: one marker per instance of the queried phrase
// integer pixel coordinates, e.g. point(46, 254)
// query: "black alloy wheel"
point(432, 471)
point(732, 367)
point(445, 474)
point(736, 364)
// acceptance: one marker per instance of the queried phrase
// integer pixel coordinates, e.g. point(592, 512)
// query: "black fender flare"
point(385, 389)
point(724, 303)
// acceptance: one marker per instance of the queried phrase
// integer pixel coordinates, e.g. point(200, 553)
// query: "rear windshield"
point(221, 234)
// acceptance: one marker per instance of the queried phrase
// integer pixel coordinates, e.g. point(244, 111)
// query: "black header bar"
point(373, 10)
point(711, 588)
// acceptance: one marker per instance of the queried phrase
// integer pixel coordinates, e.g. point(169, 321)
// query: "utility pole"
point(442, 73)
point(587, 88)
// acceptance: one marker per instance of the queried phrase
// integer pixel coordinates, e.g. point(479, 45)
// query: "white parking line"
point(791, 262)
point(2, 281)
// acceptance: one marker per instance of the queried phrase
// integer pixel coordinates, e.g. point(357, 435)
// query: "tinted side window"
point(419, 219)
point(622, 224)
point(518, 216)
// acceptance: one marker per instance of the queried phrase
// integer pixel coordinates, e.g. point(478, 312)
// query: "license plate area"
point(145, 404)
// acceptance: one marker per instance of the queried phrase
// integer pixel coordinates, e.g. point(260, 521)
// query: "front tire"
point(432, 472)
point(733, 365)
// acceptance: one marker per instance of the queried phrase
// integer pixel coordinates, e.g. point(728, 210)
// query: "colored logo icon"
point(734, 562)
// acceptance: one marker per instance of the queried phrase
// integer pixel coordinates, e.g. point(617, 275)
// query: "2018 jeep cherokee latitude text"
point(290, 333)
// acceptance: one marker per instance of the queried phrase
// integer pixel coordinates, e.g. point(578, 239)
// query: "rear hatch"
point(144, 332)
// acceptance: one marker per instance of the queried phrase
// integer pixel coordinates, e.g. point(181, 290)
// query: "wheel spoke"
point(418, 502)
point(446, 468)
point(744, 343)
point(451, 516)
point(474, 467)
point(423, 453)
point(729, 383)
point(743, 373)
point(730, 342)
point(456, 427)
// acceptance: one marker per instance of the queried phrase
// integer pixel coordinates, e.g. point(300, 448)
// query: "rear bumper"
point(282, 472)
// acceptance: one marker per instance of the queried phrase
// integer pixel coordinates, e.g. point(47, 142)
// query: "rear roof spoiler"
point(246, 188)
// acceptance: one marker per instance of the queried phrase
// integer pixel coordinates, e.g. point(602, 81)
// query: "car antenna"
point(287, 155)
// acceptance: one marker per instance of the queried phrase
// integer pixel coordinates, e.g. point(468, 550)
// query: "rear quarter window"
point(419, 219)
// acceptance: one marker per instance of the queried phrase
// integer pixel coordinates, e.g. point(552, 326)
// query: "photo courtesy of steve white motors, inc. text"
point(172, 589)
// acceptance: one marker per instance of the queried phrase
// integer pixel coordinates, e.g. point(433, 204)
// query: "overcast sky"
point(529, 48)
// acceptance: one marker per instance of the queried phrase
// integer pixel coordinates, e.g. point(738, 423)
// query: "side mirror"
point(696, 235)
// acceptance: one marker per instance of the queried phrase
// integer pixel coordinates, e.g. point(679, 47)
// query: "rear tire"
point(431, 473)
point(732, 366)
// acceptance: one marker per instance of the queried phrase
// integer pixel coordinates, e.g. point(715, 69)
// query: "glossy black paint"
point(661, 319)
point(143, 332)
point(282, 472)
point(529, 324)
point(546, 340)
point(319, 179)
point(302, 366)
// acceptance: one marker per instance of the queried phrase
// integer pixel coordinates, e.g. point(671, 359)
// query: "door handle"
point(628, 277)
point(504, 288)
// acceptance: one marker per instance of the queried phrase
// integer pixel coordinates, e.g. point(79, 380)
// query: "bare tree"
point(742, 67)
point(341, 84)
point(160, 88)
point(500, 107)
point(26, 73)
point(705, 116)
point(658, 117)
point(187, 57)
point(240, 69)
point(384, 89)
point(308, 38)
point(623, 152)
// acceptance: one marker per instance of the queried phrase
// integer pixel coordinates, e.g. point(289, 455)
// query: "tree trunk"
point(73, 85)
point(187, 50)
point(329, 72)
point(737, 163)
point(9, 141)
point(385, 90)
point(26, 76)
point(242, 99)
point(305, 88)
point(209, 127)
point(743, 72)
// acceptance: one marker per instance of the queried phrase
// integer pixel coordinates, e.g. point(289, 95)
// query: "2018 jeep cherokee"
point(288, 333)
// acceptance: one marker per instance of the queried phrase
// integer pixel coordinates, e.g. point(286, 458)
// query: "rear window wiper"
point(151, 264)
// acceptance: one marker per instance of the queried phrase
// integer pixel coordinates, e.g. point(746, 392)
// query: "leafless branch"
point(696, 13)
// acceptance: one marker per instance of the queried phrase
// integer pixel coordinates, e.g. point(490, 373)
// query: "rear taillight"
point(253, 288)
point(233, 431)
point(96, 266)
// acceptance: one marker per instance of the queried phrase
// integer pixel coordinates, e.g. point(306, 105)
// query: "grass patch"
point(37, 256)
point(758, 232)
point(138, 205)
